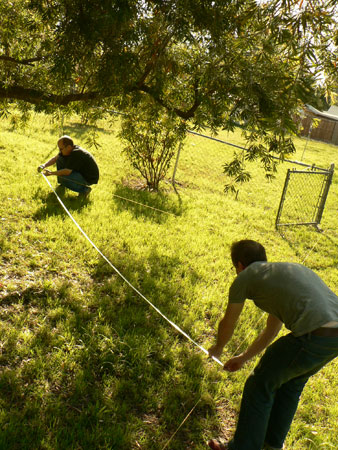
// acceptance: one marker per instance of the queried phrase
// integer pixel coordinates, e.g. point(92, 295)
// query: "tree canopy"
point(214, 64)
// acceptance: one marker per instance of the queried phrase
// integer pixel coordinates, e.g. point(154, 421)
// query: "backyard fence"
point(304, 194)
point(325, 131)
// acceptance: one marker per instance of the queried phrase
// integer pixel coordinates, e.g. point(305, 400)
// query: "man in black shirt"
point(76, 168)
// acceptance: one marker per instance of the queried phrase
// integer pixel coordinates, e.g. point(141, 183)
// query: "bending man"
point(292, 295)
point(76, 168)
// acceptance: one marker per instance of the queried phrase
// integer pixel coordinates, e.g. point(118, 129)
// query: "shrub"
point(150, 142)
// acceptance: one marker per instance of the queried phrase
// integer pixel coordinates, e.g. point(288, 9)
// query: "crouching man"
point(292, 295)
point(76, 168)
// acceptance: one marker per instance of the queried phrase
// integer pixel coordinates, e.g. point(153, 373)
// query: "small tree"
point(151, 140)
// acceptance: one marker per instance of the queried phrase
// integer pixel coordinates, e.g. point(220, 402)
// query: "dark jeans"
point(74, 182)
point(271, 393)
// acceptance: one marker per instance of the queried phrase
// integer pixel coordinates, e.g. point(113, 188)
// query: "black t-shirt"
point(80, 161)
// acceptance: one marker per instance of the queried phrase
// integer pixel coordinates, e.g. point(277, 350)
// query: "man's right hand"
point(234, 363)
point(41, 167)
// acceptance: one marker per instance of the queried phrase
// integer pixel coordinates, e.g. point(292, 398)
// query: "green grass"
point(85, 362)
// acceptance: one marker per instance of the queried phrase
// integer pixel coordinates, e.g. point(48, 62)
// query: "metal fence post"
point(324, 195)
point(282, 198)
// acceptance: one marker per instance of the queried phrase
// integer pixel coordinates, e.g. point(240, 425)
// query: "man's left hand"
point(235, 363)
point(47, 172)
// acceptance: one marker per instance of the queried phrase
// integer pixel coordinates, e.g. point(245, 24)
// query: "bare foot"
point(217, 444)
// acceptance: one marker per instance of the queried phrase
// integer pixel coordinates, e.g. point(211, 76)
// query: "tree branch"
point(183, 114)
point(27, 62)
point(159, 49)
point(34, 96)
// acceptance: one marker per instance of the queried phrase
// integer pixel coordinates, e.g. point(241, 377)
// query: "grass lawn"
point(85, 362)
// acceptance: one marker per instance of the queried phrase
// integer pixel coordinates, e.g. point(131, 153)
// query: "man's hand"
point(47, 172)
point(235, 363)
point(41, 167)
point(215, 351)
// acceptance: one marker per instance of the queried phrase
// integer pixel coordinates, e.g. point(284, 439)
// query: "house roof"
point(331, 114)
point(333, 110)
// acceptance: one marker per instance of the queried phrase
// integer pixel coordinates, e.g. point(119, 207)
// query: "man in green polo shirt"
point(292, 295)
point(76, 168)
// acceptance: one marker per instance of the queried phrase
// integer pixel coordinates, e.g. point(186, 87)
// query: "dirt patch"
point(228, 418)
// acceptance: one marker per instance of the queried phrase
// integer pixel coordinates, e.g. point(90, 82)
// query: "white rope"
point(248, 335)
point(185, 419)
point(145, 206)
point(119, 196)
point(311, 250)
point(126, 199)
point(128, 282)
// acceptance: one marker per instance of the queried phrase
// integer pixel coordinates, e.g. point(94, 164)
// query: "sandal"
point(217, 444)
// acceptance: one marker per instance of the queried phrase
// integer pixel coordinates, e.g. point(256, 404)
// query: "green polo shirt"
point(291, 292)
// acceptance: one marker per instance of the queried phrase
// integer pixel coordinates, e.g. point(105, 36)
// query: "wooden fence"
point(326, 131)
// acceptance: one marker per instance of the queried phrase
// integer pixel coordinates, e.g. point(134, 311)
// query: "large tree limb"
point(35, 96)
point(27, 62)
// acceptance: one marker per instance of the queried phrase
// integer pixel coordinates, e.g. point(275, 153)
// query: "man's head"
point(245, 252)
point(66, 145)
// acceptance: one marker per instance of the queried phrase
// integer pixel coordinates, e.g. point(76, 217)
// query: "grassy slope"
point(85, 362)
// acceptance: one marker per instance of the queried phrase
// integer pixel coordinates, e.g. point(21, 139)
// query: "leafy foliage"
point(214, 64)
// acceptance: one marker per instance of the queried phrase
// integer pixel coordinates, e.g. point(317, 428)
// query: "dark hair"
point(66, 140)
point(247, 252)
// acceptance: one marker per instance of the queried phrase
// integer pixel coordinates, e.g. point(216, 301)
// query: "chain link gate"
point(304, 196)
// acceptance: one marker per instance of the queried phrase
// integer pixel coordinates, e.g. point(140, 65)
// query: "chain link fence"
point(304, 196)
point(301, 194)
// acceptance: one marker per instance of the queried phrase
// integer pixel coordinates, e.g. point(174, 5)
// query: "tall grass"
point(85, 362)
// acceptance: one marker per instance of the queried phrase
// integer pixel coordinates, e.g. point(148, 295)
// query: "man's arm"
point(273, 326)
point(59, 173)
point(48, 163)
point(226, 328)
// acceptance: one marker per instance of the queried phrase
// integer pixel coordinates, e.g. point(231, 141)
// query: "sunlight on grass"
point(85, 362)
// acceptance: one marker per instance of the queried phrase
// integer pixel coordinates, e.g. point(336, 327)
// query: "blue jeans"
point(74, 182)
point(271, 393)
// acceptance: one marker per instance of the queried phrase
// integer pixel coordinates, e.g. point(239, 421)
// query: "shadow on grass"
point(101, 369)
point(31, 295)
point(51, 206)
point(79, 130)
point(162, 379)
point(155, 206)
